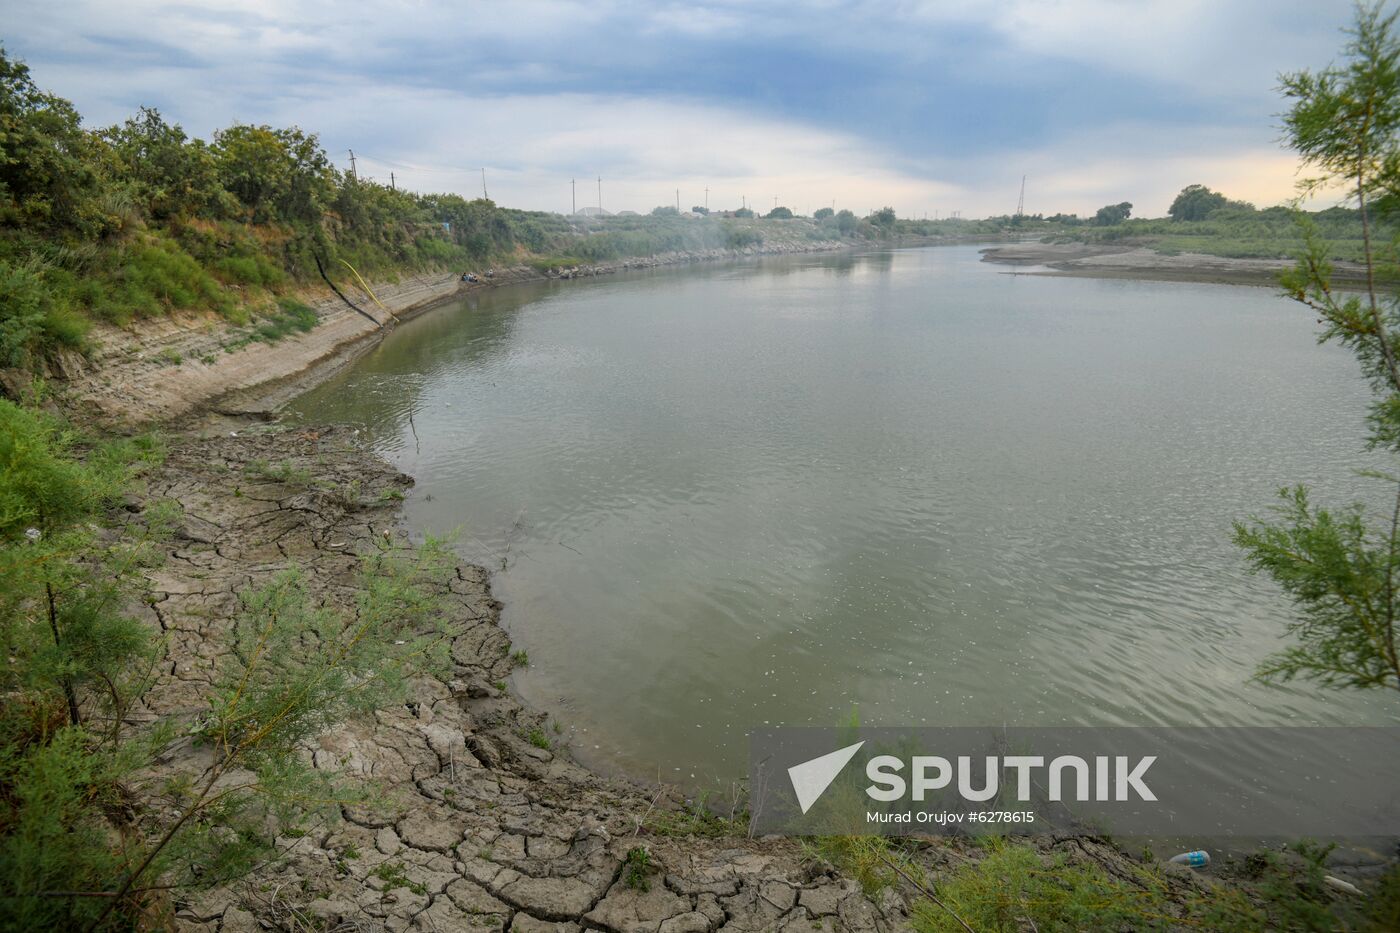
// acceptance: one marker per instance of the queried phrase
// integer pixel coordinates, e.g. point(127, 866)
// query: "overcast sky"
point(927, 106)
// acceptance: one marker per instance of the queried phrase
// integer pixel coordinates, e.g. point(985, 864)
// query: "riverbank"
point(484, 822)
point(1117, 261)
point(161, 369)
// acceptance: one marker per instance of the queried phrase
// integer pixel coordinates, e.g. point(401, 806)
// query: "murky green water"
point(903, 482)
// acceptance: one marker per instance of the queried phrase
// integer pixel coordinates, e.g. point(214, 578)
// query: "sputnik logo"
point(811, 778)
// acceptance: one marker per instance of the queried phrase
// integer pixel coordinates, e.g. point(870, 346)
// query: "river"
point(904, 484)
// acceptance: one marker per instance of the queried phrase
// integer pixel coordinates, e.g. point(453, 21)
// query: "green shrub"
point(85, 842)
point(33, 319)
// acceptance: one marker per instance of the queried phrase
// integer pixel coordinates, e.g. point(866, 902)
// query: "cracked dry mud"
point(476, 828)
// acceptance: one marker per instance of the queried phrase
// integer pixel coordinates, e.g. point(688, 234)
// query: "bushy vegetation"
point(1011, 885)
point(1235, 230)
point(92, 832)
point(138, 219)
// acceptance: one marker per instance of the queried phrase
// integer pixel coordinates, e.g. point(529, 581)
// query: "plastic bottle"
point(1197, 859)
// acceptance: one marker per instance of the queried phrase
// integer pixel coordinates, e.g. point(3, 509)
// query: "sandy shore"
point(1112, 261)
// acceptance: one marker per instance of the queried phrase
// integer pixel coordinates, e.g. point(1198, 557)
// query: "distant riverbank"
point(1129, 261)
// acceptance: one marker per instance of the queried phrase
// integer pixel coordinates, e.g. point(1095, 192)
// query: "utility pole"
point(353, 173)
point(600, 194)
point(678, 200)
point(484, 195)
point(573, 196)
point(1021, 203)
point(392, 185)
point(775, 202)
point(707, 200)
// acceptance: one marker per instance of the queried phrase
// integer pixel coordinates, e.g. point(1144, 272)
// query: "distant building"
point(593, 212)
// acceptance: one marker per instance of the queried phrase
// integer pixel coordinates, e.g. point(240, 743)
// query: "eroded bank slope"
point(159, 369)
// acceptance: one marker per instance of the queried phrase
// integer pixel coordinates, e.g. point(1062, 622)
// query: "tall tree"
point(46, 175)
point(1342, 569)
point(1113, 214)
point(1195, 202)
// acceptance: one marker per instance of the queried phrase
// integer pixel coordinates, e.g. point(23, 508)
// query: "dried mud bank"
point(1116, 261)
point(479, 828)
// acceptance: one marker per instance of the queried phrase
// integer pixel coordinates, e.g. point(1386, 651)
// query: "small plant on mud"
point(282, 472)
point(520, 658)
point(636, 869)
point(537, 737)
point(394, 875)
point(697, 819)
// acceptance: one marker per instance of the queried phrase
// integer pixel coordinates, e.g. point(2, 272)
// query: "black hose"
point(322, 269)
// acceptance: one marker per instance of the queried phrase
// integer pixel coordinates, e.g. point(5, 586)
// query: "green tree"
point(883, 218)
point(780, 213)
point(46, 171)
point(175, 175)
point(279, 175)
point(1113, 214)
point(1196, 202)
point(823, 213)
point(1341, 569)
point(846, 222)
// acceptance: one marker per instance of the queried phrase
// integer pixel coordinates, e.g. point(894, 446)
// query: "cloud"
point(930, 106)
